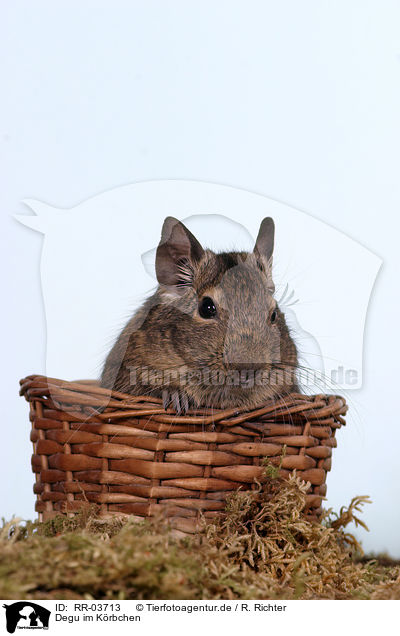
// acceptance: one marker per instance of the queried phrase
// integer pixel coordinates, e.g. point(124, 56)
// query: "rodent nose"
point(244, 352)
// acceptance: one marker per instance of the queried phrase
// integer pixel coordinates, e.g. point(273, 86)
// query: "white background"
point(296, 101)
point(97, 266)
point(68, 616)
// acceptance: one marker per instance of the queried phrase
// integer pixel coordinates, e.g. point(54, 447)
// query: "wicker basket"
point(130, 456)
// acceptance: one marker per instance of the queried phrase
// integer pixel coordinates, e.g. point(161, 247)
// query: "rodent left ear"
point(264, 246)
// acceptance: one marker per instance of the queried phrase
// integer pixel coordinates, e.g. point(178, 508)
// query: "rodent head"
point(218, 316)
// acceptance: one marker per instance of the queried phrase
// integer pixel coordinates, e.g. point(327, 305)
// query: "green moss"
point(264, 547)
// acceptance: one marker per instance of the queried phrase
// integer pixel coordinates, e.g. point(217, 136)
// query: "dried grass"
point(265, 547)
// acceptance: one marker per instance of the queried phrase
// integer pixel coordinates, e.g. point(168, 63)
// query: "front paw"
point(179, 401)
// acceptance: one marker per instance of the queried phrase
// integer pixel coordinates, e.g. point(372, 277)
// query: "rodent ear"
point(264, 246)
point(178, 250)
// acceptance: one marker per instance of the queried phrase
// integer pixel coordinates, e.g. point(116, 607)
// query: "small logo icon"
point(26, 615)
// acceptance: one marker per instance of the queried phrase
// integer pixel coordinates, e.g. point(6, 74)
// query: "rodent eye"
point(273, 316)
point(207, 308)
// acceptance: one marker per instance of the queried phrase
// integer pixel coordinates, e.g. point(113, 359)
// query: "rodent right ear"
point(176, 254)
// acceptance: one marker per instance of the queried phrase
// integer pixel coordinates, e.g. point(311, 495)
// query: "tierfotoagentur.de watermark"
point(244, 378)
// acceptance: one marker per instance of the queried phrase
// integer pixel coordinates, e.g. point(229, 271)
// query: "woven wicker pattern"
point(132, 457)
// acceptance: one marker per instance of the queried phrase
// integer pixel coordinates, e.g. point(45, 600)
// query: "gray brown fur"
point(167, 334)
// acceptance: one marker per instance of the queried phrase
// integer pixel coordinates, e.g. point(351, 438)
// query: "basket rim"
point(105, 405)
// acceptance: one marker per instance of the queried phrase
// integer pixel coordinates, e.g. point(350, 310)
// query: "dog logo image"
point(26, 615)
